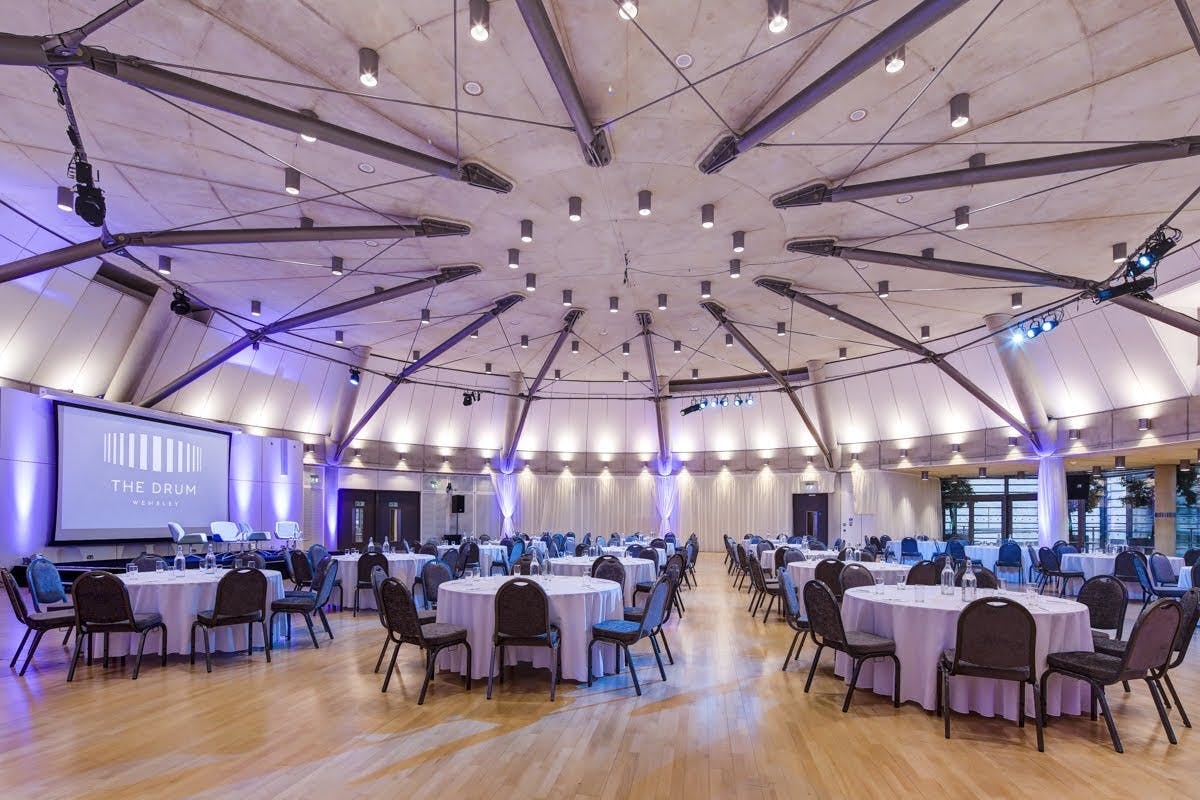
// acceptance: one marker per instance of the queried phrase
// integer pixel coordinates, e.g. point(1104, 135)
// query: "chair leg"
point(311, 632)
point(1108, 719)
point(770, 605)
point(430, 655)
point(266, 640)
point(637, 686)
point(554, 659)
point(382, 653)
point(137, 664)
point(1156, 693)
point(250, 638)
point(943, 691)
point(1037, 716)
point(207, 650)
point(492, 670)
point(391, 666)
point(68, 636)
point(853, 682)
point(1021, 707)
point(32, 649)
point(20, 647)
point(791, 649)
point(192, 642)
point(356, 591)
point(325, 622)
point(79, 637)
point(470, 662)
point(658, 657)
point(1175, 695)
point(589, 662)
point(812, 670)
point(662, 635)
point(105, 651)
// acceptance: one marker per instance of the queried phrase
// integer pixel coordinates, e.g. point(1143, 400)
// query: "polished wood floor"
point(727, 724)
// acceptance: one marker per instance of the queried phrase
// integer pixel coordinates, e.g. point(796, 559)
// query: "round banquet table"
point(802, 572)
point(575, 605)
point(404, 566)
point(766, 558)
point(660, 555)
point(487, 554)
point(923, 630)
point(178, 600)
point(1093, 564)
point(927, 548)
point(637, 570)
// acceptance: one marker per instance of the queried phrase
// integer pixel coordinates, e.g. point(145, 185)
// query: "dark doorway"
point(364, 514)
point(810, 515)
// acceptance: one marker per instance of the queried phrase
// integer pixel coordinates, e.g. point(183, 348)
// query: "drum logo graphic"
point(154, 467)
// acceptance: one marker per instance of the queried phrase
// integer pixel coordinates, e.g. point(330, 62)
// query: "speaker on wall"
point(1078, 485)
point(458, 504)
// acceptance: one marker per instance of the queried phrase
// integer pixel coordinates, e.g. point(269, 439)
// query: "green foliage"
point(1139, 492)
point(1095, 493)
point(1185, 485)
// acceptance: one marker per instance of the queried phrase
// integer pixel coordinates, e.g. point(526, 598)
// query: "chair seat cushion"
point(60, 607)
point(1109, 646)
point(861, 643)
point(426, 616)
point(983, 670)
point(1163, 591)
point(290, 593)
point(1099, 666)
point(301, 603)
point(142, 622)
point(441, 633)
point(210, 618)
point(621, 630)
point(46, 620)
point(529, 641)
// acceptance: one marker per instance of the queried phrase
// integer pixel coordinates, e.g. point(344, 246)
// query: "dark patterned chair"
point(1162, 571)
point(923, 573)
point(609, 568)
point(825, 622)
point(367, 563)
point(1149, 590)
point(251, 559)
point(148, 562)
point(795, 620)
point(316, 554)
point(909, 550)
point(853, 577)
point(37, 622)
point(1051, 568)
point(404, 627)
point(324, 578)
point(673, 572)
point(433, 575)
point(102, 606)
point(1107, 600)
point(829, 572)
point(763, 589)
point(996, 639)
point(984, 577)
point(625, 633)
point(241, 600)
point(523, 620)
point(300, 570)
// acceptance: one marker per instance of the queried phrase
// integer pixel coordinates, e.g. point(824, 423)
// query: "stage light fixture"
point(692, 409)
point(180, 304)
point(355, 377)
point(1152, 251)
point(1139, 286)
point(723, 402)
point(575, 209)
point(481, 15)
point(894, 62)
point(89, 199)
point(471, 397)
point(368, 67)
point(777, 15)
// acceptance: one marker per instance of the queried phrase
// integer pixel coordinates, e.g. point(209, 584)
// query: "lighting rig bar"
point(719, 401)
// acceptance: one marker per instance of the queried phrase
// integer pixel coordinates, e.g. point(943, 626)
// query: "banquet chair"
point(1149, 590)
point(1145, 657)
point(923, 573)
point(405, 627)
point(524, 565)
point(1035, 569)
point(763, 589)
point(468, 556)
point(939, 562)
point(825, 622)
point(795, 620)
point(316, 554)
point(366, 563)
point(909, 549)
point(523, 620)
point(741, 565)
point(1107, 600)
point(301, 570)
point(450, 559)
point(691, 551)
point(428, 549)
point(956, 550)
point(828, 571)
point(1009, 558)
point(854, 576)
point(624, 633)
point(610, 568)
point(996, 639)
point(868, 554)
point(433, 575)
point(1051, 567)
point(102, 606)
point(1161, 570)
point(581, 550)
point(241, 598)
point(37, 622)
point(790, 556)
point(324, 578)
point(424, 616)
point(148, 562)
point(46, 588)
point(1190, 557)
point(677, 565)
point(225, 531)
point(515, 552)
point(984, 577)
point(1124, 568)
point(552, 550)
point(673, 572)
point(841, 556)
point(635, 551)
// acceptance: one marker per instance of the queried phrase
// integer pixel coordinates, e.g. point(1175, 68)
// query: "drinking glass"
point(902, 583)
point(159, 567)
point(131, 568)
point(919, 593)
point(878, 584)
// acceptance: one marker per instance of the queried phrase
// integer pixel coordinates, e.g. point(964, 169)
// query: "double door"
point(365, 514)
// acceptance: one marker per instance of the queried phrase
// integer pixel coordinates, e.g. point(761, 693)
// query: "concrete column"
point(344, 404)
point(148, 341)
point(1023, 379)
point(822, 410)
point(1164, 508)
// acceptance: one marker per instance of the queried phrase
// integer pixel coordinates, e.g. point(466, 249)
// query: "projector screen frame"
point(108, 408)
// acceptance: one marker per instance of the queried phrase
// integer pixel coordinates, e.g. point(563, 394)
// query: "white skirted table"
point(986, 554)
point(178, 599)
point(1093, 564)
point(405, 567)
point(575, 605)
point(637, 570)
point(487, 554)
point(802, 572)
point(647, 550)
point(927, 547)
point(766, 558)
point(922, 630)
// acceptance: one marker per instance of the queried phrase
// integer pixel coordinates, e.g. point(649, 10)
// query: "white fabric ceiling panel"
point(109, 347)
point(176, 357)
point(252, 397)
point(87, 350)
point(43, 322)
point(286, 385)
point(1154, 375)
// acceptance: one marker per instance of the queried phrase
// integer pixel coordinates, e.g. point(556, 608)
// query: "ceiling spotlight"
point(960, 110)
point(956, 448)
point(833, 306)
point(480, 20)
point(924, 474)
point(514, 258)
point(89, 198)
point(1012, 441)
point(471, 397)
point(368, 67)
point(781, 329)
point(425, 319)
point(614, 304)
point(164, 265)
point(256, 308)
point(475, 334)
point(625, 348)
point(627, 10)
point(678, 347)
point(306, 136)
point(336, 265)
point(416, 355)
point(291, 180)
point(735, 268)
point(575, 346)
point(723, 402)
point(339, 337)
point(708, 214)
point(526, 231)
point(355, 376)
point(180, 304)
point(1119, 462)
point(894, 62)
point(1120, 253)
point(530, 282)
point(883, 291)
point(924, 333)
point(662, 302)
point(983, 472)
point(574, 208)
point(739, 241)
point(1016, 301)
point(66, 199)
point(927, 252)
point(487, 367)
point(841, 354)
point(566, 298)
point(692, 409)
point(625, 376)
point(558, 374)
point(706, 289)
point(962, 218)
point(729, 340)
point(1152, 250)
point(644, 202)
point(1073, 434)
point(1144, 424)
point(777, 15)
point(473, 88)
point(524, 341)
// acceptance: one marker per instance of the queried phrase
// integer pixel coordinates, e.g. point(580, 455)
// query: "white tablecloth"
point(487, 554)
point(178, 600)
point(986, 554)
point(647, 553)
point(405, 567)
point(575, 605)
point(802, 572)
point(923, 630)
point(927, 547)
point(637, 570)
point(1093, 564)
point(766, 558)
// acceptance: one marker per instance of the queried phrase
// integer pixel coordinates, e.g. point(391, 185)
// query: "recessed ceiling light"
point(365, 167)
point(371, 243)
point(473, 88)
point(858, 115)
point(904, 198)
point(684, 60)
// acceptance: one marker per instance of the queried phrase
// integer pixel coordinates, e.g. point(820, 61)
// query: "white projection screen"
point(123, 477)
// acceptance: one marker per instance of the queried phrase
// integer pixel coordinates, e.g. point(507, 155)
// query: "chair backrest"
point(756, 574)
point(287, 529)
point(1106, 599)
point(316, 554)
point(939, 562)
point(1189, 605)
point(252, 557)
point(1033, 555)
point(101, 599)
point(739, 551)
point(780, 556)
point(1153, 637)
point(855, 575)
point(997, 633)
point(378, 576)
point(634, 551)
point(1160, 568)
point(434, 574)
point(790, 555)
point(450, 557)
point(956, 550)
point(828, 572)
point(986, 579)
point(14, 596)
point(1142, 573)
point(302, 572)
point(908, 547)
point(841, 556)
point(1010, 553)
point(240, 592)
point(148, 562)
point(1190, 557)
point(791, 603)
point(824, 614)
point(867, 554)
point(523, 565)
point(656, 605)
point(1048, 559)
point(609, 568)
point(468, 554)
point(522, 609)
point(45, 584)
point(324, 577)
point(552, 550)
point(517, 550)
point(1123, 566)
point(661, 544)
point(368, 562)
point(228, 531)
point(398, 612)
point(176, 530)
point(923, 573)
point(1065, 549)
point(428, 549)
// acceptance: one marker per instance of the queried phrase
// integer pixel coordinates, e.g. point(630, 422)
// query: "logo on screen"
point(149, 453)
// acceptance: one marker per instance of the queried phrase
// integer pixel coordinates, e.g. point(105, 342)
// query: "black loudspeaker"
point(1078, 486)
point(458, 504)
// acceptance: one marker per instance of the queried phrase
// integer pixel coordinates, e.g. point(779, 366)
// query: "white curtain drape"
point(1052, 500)
point(895, 503)
point(601, 504)
point(506, 498)
point(666, 501)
